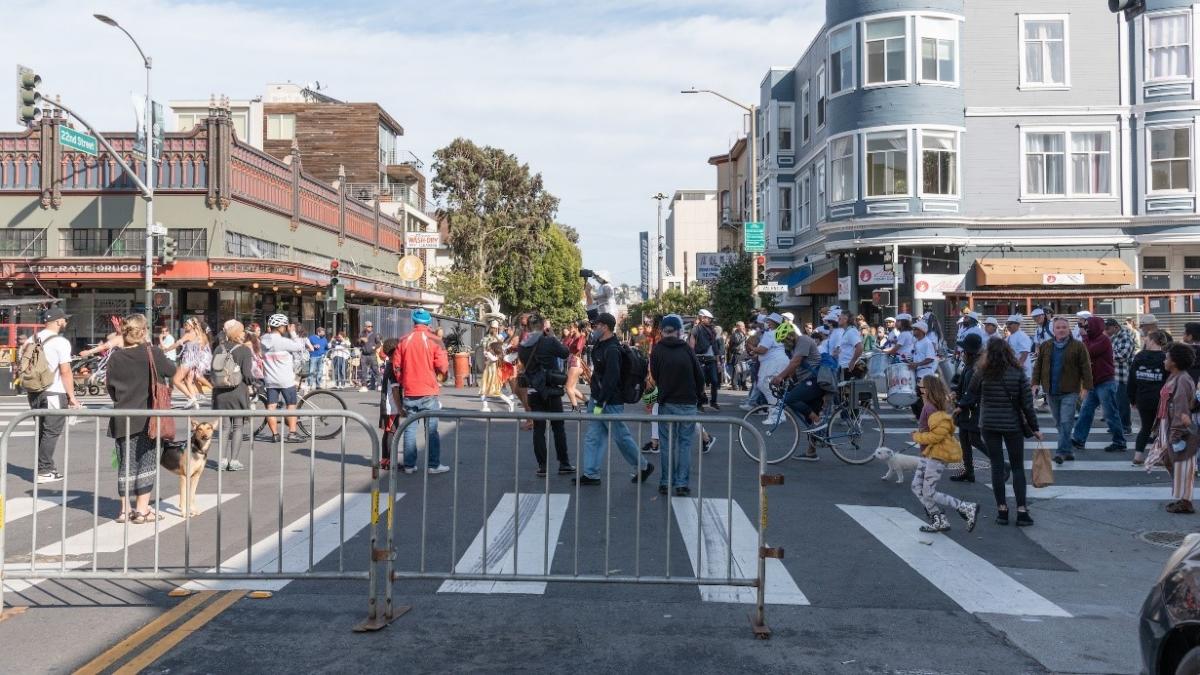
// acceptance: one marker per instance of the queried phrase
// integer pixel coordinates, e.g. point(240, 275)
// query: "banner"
point(935, 286)
point(708, 265)
point(875, 275)
point(644, 240)
point(422, 240)
point(843, 288)
point(1063, 280)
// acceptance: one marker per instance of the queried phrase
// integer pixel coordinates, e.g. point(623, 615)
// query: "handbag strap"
point(153, 368)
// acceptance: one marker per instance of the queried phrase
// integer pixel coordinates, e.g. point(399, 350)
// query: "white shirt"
point(775, 360)
point(992, 336)
point(57, 352)
point(835, 341)
point(850, 338)
point(1022, 343)
point(906, 343)
point(973, 330)
point(924, 349)
point(164, 343)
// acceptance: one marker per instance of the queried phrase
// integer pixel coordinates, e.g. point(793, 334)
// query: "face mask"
point(597, 334)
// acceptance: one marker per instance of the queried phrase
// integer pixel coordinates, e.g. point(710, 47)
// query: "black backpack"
point(634, 369)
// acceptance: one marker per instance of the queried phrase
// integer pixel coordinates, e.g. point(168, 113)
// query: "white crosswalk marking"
point(110, 538)
point(975, 584)
point(1082, 465)
point(710, 556)
point(1080, 492)
point(325, 535)
point(21, 507)
point(528, 534)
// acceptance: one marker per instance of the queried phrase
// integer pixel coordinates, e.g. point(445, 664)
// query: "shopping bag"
point(1043, 471)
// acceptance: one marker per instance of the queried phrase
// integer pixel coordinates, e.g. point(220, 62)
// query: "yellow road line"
point(164, 644)
point(124, 647)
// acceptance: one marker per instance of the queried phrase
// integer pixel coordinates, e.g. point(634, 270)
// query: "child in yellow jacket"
point(939, 447)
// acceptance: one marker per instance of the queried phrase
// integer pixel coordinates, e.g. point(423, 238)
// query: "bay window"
point(805, 105)
point(805, 199)
point(841, 60)
point(1168, 47)
point(886, 47)
point(1044, 56)
point(939, 38)
point(820, 200)
point(786, 114)
point(1171, 160)
point(939, 163)
point(841, 170)
point(820, 97)
point(887, 163)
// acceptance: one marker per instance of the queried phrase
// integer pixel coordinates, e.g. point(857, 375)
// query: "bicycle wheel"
point(855, 434)
point(323, 427)
point(781, 438)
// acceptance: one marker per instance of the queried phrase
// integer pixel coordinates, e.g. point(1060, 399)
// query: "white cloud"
point(592, 104)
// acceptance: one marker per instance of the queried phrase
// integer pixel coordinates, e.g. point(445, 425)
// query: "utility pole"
point(662, 240)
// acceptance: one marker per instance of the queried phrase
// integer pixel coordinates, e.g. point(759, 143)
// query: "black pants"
point(49, 428)
point(712, 376)
point(996, 442)
point(1147, 410)
point(920, 404)
point(552, 404)
point(370, 375)
point(971, 439)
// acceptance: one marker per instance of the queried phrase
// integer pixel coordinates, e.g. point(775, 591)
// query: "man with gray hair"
point(1063, 369)
point(232, 392)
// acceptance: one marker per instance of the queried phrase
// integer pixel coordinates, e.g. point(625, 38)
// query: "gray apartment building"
point(1004, 154)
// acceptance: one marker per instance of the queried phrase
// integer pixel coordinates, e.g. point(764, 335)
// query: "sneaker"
point(714, 406)
point(1070, 457)
point(969, 513)
point(1002, 517)
point(233, 465)
point(772, 419)
point(1078, 445)
point(745, 406)
point(1115, 447)
point(362, 389)
point(937, 524)
point(708, 445)
point(486, 408)
point(1023, 519)
point(49, 477)
point(641, 476)
point(586, 480)
point(662, 489)
point(293, 437)
point(440, 468)
point(810, 456)
point(541, 472)
point(650, 448)
point(408, 469)
point(963, 477)
point(512, 405)
point(683, 491)
point(565, 469)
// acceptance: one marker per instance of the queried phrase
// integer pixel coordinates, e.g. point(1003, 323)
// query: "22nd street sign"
point(76, 140)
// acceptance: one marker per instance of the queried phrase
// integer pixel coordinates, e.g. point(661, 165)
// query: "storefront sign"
point(1063, 280)
point(253, 269)
point(875, 275)
point(87, 268)
point(935, 286)
point(708, 265)
point(319, 278)
point(414, 240)
point(843, 288)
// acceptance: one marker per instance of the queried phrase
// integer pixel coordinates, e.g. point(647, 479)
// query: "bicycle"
point(848, 426)
point(307, 413)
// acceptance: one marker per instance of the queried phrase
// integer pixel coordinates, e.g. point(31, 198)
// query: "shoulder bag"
point(159, 428)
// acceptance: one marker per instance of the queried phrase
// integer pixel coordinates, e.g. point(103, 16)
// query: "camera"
point(589, 274)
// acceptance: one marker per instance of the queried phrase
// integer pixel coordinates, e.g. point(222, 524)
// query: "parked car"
point(1170, 623)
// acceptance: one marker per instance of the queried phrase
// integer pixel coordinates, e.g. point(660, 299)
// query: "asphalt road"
point(859, 590)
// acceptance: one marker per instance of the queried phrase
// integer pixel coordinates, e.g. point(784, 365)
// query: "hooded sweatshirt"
point(676, 372)
point(1100, 350)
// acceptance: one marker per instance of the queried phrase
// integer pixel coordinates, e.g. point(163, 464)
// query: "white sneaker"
point(49, 477)
point(512, 405)
point(486, 407)
point(440, 468)
point(362, 389)
point(745, 406)
point(772, 419)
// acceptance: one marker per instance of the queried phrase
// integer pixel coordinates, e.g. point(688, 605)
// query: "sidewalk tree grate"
point(1163, 538)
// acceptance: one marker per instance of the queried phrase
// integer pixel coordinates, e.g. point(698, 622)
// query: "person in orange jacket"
point(418, 360)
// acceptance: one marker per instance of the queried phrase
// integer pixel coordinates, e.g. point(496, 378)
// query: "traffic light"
point(27, 95)
point(882, 298)
point(333, 274)
point(169, 249)
point(762, 271)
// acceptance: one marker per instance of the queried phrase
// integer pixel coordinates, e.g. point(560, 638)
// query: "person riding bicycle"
point(805, 396)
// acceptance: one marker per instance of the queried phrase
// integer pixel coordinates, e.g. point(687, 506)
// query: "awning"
point(823, 284)
point(1052, 272)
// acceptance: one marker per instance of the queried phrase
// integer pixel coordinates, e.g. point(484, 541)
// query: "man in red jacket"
point(419, 358)
point(1103, 391)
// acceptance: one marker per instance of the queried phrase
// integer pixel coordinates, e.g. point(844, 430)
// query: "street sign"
point(771, 288)
point(76, 140)
point(755, 237)
point(410, 268)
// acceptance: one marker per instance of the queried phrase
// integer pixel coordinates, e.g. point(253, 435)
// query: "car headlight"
point(1189, 544)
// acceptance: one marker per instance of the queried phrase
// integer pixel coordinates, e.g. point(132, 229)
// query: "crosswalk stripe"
point(1115, 465)
point(974, 583)
point(710, 556)
point(1097, 493)
point(110, 538)
point(325, 535)
point(17, 508)
point(529, 535)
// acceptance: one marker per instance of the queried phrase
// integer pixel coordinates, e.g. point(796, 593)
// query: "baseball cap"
point(606, 319)
point(905, 316)
point(1037, 312)
point(1112, 322)
point(972, 315)
point(921, 326)
point(789, 316)
point(421, 316)
point(54, 314)
point(991, 321)
point(774, 316)
point(706, 314)
point(890, 318)
point(671, 322)
point(1015, 318)
point(1083, 314)
point(1146, 319)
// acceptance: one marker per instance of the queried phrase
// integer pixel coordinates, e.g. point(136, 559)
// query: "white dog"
point(896, 462)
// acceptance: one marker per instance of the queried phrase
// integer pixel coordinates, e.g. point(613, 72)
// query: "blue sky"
point(585, 92)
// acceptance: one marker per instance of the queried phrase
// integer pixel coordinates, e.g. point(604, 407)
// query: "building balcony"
point(401, 166)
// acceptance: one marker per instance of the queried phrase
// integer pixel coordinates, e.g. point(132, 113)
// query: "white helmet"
point(277, 320)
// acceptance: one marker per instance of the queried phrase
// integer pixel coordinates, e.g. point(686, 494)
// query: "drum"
point(902, 389)
point(877, 370)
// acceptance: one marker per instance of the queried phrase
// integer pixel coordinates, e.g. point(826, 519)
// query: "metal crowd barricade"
point(101, 565)
point(381, 609)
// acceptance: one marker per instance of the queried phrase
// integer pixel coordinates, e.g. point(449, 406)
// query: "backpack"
point(634, 369)
point(33, 368)
point(226, 373)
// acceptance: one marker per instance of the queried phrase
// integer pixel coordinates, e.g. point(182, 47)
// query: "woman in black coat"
point(967, 418)
point(1006, 418)
point(1147, 374)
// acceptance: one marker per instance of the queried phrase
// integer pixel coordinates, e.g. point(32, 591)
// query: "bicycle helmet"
point(277, 320)
point(784, 331)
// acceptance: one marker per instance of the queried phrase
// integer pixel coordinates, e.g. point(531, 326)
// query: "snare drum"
point(902, 390)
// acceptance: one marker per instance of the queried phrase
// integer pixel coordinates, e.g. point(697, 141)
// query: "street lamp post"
point(752, 110)
point(662, 240)
point(149, 131)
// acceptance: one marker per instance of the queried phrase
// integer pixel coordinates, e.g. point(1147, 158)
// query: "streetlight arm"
point(718, 94)
point(145, 59)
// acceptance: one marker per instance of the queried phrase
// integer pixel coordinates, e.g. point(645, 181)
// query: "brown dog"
point(190, 467)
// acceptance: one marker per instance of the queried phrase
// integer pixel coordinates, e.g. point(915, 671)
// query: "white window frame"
point(1023, 83)
point(805, 112)
point(1146, 45)
point(1191, 189)
point(788, 208)
point(958, 155)
point(1069, 194)
point(786, 116)
point(852, 163)
point(921, 36)
point(852, 52)
point(908, 162)
point(821, 197)
point(279, 118)
point(821, 100)
point(804, 197)
point(908, 53)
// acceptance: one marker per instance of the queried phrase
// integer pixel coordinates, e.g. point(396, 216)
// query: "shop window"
point(1191, 281)
point(104, 243)
point(190, 243)
point(23, 243)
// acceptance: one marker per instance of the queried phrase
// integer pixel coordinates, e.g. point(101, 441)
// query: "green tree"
point(498, 210)
point(731, 297)
point(463, 293)
point(673, 301)
point(551, 287)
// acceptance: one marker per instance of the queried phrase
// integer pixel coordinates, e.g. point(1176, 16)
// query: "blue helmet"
point(421, 316)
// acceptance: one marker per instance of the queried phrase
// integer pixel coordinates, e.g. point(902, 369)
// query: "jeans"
point(595, 441)
point(1106, 395)
point(339, 371)
point(1123, 406)
point(553, 404)
point(433, 442)
point(677, 456)
point(804, 398)
point(996, 442)
point(49, 428)
point(370, 371)
point(1062, 407)
point(712, 376)
point(316, 366)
